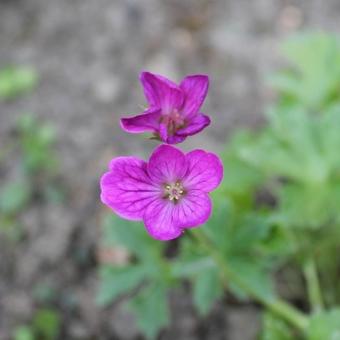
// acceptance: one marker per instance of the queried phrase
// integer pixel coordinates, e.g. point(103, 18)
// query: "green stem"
point(313, 286)
point(277, 306)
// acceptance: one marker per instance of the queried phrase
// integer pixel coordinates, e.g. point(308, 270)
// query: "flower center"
point(173, 121)
point(174, 191)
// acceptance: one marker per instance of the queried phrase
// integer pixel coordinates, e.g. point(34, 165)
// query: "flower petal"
point(197, 124)
point(147, 121)
point(163, 132)
point(175, 139)
point(165, 220)
point(159, 222)
point(161, 92)
point(192, 210)
point(195, 88)
point(127, 188)
point(205, 171)
point(167, 164)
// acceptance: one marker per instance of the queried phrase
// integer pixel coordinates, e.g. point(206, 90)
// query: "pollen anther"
point(174, 191)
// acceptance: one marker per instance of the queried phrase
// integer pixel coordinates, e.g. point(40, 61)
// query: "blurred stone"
point(106, 89)
point(58, 225)
point(31, 221)
point(113, 255)
point(18, 304)
point(78, 331)
point(48, 244)
point(163, 63)
point(183, 40)
point(183, 321)
point(27, 268)
point(123, 323)
point(290, 19)
point(244, 323)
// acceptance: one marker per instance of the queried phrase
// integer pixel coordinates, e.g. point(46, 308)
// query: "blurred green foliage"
point(45, 325)
point(276, 329)
point(36, 141)
point(33, 148)
point(149, 275)
point(312, 81)
point(17, 80)
point(325, 325)
point(277, 207)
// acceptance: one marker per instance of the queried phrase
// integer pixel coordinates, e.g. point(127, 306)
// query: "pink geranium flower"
point(173, 112)
point(169, 193)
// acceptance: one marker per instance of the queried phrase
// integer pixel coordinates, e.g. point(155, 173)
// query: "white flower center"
point(174, 191)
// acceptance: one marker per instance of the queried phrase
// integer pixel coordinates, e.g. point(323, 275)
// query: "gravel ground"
point(88, 55)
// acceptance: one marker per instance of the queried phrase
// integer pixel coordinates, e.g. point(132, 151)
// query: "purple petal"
point(147, 121)
point(167, 164)
point(161, 92)
point(205, 171)
point(165, 220)
point(159, 222)
point(192, 210)
point(127, 188)
point(195, 89)
point(163, 132)
point(175, 139)
point(197, 124)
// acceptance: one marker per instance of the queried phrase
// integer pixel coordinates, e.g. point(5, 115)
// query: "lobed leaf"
point(325, 326)
point(276, 329)
point(207, 288)
point(115, 281)
point(151, 309)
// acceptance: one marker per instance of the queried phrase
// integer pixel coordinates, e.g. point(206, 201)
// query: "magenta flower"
point(169, 193)
point(173, 112)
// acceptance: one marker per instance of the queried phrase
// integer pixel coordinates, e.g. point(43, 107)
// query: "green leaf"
point(207, 289)
point(11, 228)
point(286, 82)
point(14, 196)
point(255, 275)
point(308, 206)
point(15, 81)
point(242, 178)
point(131, 235)
point(297, 153)
point(115, 281)
point(276, 329)
point(325, 326)
point(189, 266)
point(26, 123)
point(47, 323)
point(240, 238)
point(248, 234)
point(23, 333)
point(288, 148)
point(313, 80)
point(36, 141)
point(328, 136)
point(218, 226)
point(236, 232)
point(151, 309)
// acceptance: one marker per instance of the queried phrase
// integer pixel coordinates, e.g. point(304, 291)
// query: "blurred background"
point(68, 71)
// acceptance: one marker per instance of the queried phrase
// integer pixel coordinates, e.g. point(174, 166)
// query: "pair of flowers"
point(170, 191)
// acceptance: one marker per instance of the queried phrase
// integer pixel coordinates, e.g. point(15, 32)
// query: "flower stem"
point(275, 305)
point(313, 286)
